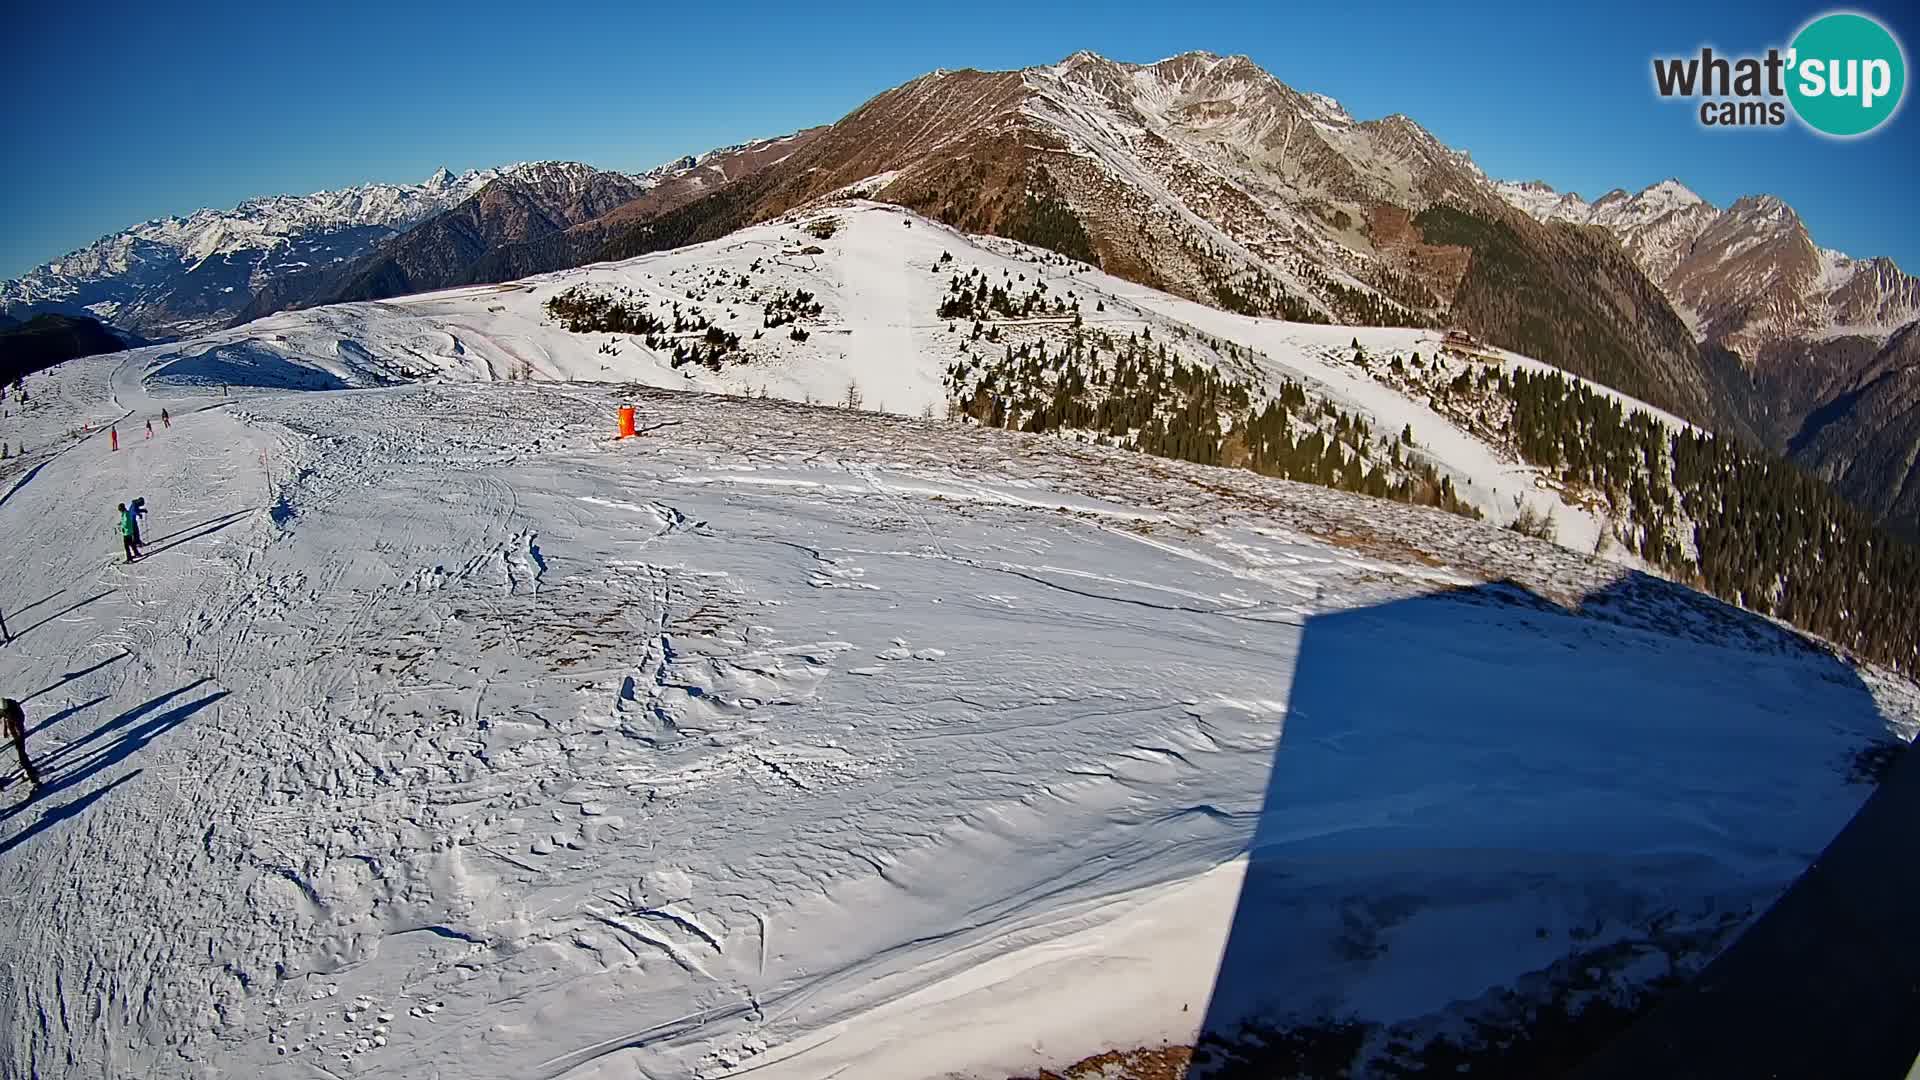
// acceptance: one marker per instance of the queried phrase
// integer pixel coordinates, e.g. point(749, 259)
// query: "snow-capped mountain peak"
point(1672, 192)
point(1539, 200)
point(1764, 212)
point(1713, 263)
point(176, 275)
point(1328, 108)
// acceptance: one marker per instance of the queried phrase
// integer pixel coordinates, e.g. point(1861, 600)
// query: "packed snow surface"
point(439, 733)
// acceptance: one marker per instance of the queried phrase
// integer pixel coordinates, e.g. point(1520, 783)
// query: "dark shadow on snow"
point(19, 611)
point(73, 764)
point(70, 710)
point(72, 675)
point(24, 480)
point(218, 520)
point(244, 365)
point(189, 534)
point(118, 737)
point(1827, 983)
point(103, 594)
point(1445, 768)
point(69, 676)
point(54, 815)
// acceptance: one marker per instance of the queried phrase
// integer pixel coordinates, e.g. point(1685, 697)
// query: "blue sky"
point(124, 111)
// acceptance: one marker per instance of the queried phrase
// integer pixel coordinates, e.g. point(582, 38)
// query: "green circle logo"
point(1848, 74)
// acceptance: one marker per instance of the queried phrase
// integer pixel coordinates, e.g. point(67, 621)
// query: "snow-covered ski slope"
point(880, 279)
point(440, 734)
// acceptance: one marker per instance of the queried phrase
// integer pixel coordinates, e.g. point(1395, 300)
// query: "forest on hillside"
point(1146, 395)
point(1743, 525)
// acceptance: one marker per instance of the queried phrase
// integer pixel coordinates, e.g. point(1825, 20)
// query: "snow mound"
point(247, 364)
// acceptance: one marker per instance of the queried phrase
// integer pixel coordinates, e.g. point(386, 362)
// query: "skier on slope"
point(16, 722)
point(149, 429)
point(165, 420)
point(129, 533)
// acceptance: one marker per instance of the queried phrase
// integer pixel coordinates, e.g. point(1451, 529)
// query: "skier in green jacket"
point(129, 533)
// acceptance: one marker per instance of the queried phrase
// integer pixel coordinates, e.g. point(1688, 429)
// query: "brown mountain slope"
point(532, 219)
point(1865, 439)
point(537, 202)
point(1209, 178)
point(674, 186)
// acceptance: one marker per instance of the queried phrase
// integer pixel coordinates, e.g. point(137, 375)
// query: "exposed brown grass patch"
point(1146, 1063)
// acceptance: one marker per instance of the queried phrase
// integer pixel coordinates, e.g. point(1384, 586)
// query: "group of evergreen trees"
point(1362, 306)
point(1774, 539)
point(1253, 291)
point(784, 307)
point(973, 296)
point(1744, 525)
point(1556, 297)
point(1250, 291)
point(1343, 458)
point(1139, 394)
point(689, 337)
point(1045, 221)
point(588, 311)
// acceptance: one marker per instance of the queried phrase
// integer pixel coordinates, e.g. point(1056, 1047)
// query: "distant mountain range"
point(175, 276)
point(1825, 343)
point(1202, 175)
point(530, 219)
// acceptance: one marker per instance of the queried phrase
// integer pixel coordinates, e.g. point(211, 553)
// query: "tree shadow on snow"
point(1481, 774)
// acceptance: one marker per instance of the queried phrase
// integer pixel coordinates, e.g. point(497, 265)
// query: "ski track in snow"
point(439, 734)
